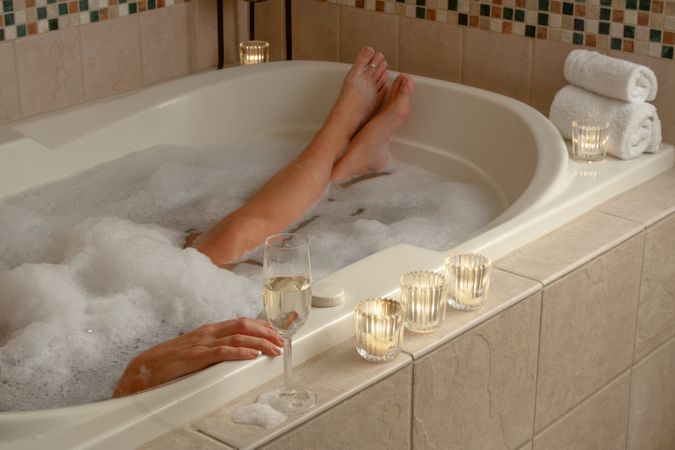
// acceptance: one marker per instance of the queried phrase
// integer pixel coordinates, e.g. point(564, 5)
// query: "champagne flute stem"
point(288, 367)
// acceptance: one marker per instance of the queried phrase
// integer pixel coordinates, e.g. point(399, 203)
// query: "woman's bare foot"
point(363, 90)
point(369, 150)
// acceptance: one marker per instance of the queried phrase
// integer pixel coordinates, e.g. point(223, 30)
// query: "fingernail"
point(277, 350)
point(255, 353)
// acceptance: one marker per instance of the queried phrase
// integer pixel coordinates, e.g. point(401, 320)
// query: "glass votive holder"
point(424, 296)
point(468, 280)
point(379, 328)
point(254, 52)
point(589, 140)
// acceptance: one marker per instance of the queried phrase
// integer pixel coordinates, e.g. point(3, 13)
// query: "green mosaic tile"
point(667, 52)
point(9, 19)
point(605, 14)
point(628, 32)
point(615, 44)
point(7, 5)
point(606, 2)
point(655, 35)
point(421, 2)
point(543, 5)
point(603, 28)
point(84, 5)
point(133, 9)
point(452, 5)
point(42, 12)
point(463, 19)
point(631, 4)
point(520, 15)
point(530, 30)
point(151, 4)
point(21, 30)
point(645, 5)
point(2, 34)
point(578, 38)
point(542, 19)
point(420, 12)
point(568, 9)
point(485, 10)
point(579, 24)
point(53, 24)
point(507, 13)
point(93, 16)
point(63, 9)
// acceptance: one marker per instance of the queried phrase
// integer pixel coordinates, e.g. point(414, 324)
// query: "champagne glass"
point(287, 299)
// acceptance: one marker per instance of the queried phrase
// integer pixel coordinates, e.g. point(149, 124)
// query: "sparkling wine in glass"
point(287, 299)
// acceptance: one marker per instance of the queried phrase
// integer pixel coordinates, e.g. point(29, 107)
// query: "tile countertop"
point(339, 373)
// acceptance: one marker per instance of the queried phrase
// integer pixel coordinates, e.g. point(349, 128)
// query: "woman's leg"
point(298, 186)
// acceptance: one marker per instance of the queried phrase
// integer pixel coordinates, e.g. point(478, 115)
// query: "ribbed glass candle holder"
point(468, 280)
point(379, 328)
point(589, 140)
point(425, 296)
point(254, 52)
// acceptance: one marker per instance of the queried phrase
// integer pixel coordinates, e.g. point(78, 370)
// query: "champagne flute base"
point(298, 402)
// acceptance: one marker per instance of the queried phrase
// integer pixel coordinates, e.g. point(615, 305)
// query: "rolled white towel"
point(611, 77)
point(634, 128)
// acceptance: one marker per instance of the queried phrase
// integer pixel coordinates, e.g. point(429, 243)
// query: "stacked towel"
point(611, 77)
point(634, 127)
point(611, 90)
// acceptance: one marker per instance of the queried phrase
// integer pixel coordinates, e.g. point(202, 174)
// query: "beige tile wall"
point(58, 69)
point(527, 69)
point(478, 390)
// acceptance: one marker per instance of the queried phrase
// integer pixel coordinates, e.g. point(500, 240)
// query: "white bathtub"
point(461, 132)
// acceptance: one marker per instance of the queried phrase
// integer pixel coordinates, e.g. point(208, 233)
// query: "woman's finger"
point(249, 327)
point(224, 353)
point(242, 340)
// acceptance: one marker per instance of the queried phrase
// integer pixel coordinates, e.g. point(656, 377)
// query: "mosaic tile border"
point(643, 27)
point(20, 18)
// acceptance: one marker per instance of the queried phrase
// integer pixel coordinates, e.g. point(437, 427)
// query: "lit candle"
point(589, 140)
point(379, 328)
point(468, 280)
point(254, 52)
point(424, 295)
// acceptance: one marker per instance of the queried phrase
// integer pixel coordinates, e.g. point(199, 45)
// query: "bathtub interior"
point(241, 103)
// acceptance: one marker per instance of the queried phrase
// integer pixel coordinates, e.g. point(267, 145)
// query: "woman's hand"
point(209, 344)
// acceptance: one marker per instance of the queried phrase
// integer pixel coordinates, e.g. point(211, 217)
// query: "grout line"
point(462, 38)
point(85, 94)
point(462, 52)
point(639, 294)
point(209, 437)
point(630, 401)
point(140, 45)
point(536, 376)
point(618, 216)
point(512, 272)
point(530, 70)
point(16, 74)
